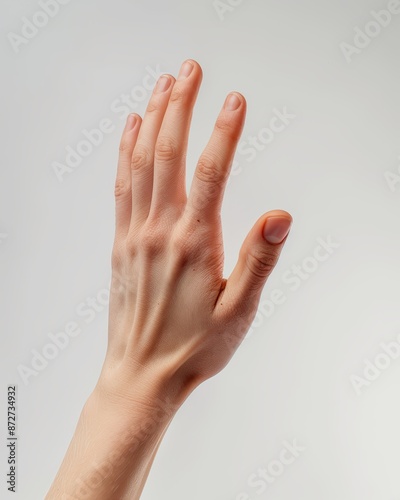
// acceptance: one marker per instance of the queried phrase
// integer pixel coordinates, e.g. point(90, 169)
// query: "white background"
point(291, 378)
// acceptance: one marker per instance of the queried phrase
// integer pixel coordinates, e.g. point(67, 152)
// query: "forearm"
point(114, 445)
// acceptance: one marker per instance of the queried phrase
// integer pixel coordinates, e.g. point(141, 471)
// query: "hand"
point(172, 315)
point(174, 321)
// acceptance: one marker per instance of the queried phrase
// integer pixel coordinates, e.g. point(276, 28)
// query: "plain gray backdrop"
point(306, 371)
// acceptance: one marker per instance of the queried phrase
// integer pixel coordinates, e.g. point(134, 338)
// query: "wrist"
point(134, 389)
point(130, 428)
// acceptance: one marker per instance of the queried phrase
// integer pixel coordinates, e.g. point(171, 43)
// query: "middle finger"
point(169, 185)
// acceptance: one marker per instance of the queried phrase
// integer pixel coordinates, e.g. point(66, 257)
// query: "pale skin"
point(174, 320)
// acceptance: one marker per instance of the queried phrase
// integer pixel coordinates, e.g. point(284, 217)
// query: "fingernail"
point(232, 102)
point(163, 83)
point(276, 229)
point(131, 121)
point(185, 71)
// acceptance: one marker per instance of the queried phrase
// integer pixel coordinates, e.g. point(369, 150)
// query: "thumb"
point(257, 258)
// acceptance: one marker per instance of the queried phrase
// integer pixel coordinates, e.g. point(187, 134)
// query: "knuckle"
point(152, 106)
point(125, 146)
point(261, 263)
point(117, 258)
point(131, 246)
point(151, 242)
point(166, 149)
point(141, 158)
point(178, 95)
point(121, 188)
point(208, 170)
point(223, 125)
point(180, 245)
point(194, 244)
point(226, 129)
